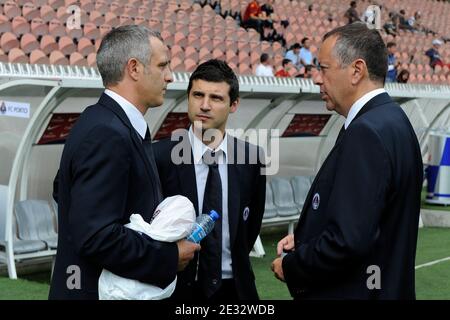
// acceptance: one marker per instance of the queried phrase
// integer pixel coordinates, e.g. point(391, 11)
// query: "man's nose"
point(168, 76)
point(317, 77)
point(205, 104)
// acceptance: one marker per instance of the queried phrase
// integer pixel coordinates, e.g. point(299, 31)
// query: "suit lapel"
point(187, 179)
point(233, 189)
point(378, 100)
point(112, 105)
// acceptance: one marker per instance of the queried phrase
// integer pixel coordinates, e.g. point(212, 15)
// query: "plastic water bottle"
point(202, 226)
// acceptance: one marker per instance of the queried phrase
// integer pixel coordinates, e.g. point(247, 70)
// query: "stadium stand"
point(203, 32)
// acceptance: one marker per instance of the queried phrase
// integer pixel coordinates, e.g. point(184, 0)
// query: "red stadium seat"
point(48, 44)
point(47, 13)
point(57, 57)
point(92, 59)
point(11, 9)
point(85, 46)
point(77, 59)
point(97, 18)
point(8, 41)
point(28, 43)
point(66, 45)
point(39, 57)
point(29, 11)
point(20, 26)
point(16, 55)
point(5, 24)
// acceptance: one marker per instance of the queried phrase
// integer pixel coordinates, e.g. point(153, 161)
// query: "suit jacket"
point(105, 176)
point(246, 193)
point(361, 213)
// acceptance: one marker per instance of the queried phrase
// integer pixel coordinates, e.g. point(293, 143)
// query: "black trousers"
point(193, 293)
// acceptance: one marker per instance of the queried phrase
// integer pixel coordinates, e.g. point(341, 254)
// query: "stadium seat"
point(66, 45)
point(77, 59)
point(48, 44)
point(11, 9)
point(56, 28)
point(39, 27)
point(24, 246)
point(270, 211)
point(38, 57)
point(8, 41)
point(283, 197)
point(35, 222)
point(300, 186)
point(3, 56)
point(101, 6)
point(28, 43)
point(92, 59)
point(29, 11)
point(16, 55)
point(85, 47)
point(47, 13)
point(5, 24)
point(20, 26)
point(57, 57)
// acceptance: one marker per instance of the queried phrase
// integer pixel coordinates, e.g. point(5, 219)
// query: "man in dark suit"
point(107, 172)
point(234, 186)
point(357, 235)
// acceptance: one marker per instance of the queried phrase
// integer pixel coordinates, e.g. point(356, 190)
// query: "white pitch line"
point(431, 263)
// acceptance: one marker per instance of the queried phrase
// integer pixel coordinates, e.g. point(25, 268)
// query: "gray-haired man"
point(108, 172)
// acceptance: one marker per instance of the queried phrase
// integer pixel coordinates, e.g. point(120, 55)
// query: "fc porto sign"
point(14, 109)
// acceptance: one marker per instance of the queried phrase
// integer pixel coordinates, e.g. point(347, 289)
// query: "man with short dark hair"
point(294, 54)
point(306, 56)
point(357, 235)
point(108, 172)
point(232, 184)
point(393, 64)
point(351, 14)
point(264, 69)
point(284, 72)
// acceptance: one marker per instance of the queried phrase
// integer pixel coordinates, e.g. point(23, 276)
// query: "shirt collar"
point(360, 103)
point(199, 148)
point(134, 115)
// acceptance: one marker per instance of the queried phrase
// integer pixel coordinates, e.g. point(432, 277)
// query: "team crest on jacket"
point(316, 201)
point(245, 213)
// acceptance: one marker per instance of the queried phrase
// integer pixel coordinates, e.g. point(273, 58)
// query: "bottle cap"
point(214, 215)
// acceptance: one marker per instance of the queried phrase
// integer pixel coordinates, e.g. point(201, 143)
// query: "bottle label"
point(197, 234)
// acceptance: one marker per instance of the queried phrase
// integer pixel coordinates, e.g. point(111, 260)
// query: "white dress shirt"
point(134, 115)
point(357, 106)
point(201, 174)
point(264, 71)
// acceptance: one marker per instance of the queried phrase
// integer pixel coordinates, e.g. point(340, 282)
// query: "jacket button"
point(214, 281)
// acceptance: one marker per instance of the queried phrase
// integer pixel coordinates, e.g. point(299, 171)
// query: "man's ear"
point(234, 105)
point(359, 71)
point(133, 68)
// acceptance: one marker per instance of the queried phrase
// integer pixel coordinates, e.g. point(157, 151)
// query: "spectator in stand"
point(252, 16)
point(306, 56)
point(403, 76)
point(286, 71)
point(391, 26)
point(264, 69)
point(271, 35)
point(351, 14)
point(393, 64)
point(403, 22)
point(268, 12)
point(294, 55)
point(307, 74)
point(434, 55)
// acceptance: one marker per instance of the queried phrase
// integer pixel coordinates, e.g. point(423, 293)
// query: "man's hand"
point(277, 268)
point(186, 251)
point(287, 244)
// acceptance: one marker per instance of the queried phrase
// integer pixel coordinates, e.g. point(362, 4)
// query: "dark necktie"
point(147, 143)
point(210, 261)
